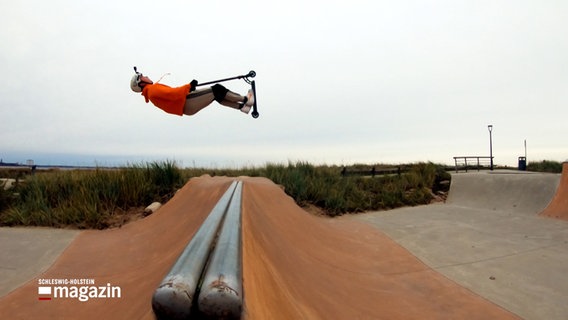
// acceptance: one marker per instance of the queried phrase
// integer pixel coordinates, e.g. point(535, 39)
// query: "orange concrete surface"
point(295, 265)
point(558, 207)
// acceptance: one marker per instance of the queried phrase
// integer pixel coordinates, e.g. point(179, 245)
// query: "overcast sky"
point(339, 82)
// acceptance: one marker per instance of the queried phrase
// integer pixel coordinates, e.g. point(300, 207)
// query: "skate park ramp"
point(489, 238)
point(558, 207)
point(295, 265)
point(505, 191)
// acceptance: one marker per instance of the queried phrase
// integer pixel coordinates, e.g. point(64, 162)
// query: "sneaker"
point(250, 98)
point(245, 109)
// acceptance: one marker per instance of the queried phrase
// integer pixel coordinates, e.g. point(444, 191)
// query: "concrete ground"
point(28, 252)
point(489, 239)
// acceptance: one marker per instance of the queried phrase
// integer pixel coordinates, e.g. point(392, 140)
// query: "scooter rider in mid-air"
point(187, 99)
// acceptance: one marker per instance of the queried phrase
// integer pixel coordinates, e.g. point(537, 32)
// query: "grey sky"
point(338, 82)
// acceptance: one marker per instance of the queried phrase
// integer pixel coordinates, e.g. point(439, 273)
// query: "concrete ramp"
point(558, 207)
point(504, 191)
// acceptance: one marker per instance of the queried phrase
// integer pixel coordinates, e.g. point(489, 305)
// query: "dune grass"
point(326, 188)
point(545, 166)
point(88, 199)
point(93, 198)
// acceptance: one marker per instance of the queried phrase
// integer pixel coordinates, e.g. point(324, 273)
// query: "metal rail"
point(221, 295)
point(174, 298)
point(477, 164)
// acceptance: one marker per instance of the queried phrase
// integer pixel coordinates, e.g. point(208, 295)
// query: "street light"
point(490, 127)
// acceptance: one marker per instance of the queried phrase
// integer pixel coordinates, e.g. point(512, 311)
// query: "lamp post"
point(490, 128)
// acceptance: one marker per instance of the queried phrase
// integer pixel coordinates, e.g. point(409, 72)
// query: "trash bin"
point(522, 164)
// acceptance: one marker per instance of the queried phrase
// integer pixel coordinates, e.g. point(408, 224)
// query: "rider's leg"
point(228, 98)
point(197, 100)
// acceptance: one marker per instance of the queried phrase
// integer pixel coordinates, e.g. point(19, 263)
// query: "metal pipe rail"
point(478, 163)
point(221, 291)
point(175, 296)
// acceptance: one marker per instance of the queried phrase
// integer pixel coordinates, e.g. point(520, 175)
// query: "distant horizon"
point(76, 160)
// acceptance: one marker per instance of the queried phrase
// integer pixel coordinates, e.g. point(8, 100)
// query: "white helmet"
point(135, 81)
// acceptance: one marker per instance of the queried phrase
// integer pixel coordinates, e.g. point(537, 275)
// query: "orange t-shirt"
point(171, 100)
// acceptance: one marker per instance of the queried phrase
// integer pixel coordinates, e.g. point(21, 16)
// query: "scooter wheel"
point(255, 114)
